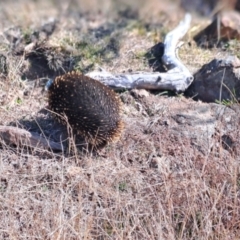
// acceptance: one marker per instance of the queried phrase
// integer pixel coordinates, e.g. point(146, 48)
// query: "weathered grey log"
point(17, 136)
point(177, 78)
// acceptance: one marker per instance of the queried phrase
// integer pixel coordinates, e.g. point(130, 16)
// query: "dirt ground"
point(175, 172)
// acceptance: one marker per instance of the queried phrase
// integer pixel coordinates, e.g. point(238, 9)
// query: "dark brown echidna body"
point(92, 109)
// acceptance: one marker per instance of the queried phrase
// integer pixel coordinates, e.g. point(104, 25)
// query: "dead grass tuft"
point(155, 183)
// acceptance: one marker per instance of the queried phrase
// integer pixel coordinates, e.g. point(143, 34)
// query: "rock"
point(218, 80)
point(225, 26)
point(237, 5)
point(207, 7)
point(196, 124)
point(29, 48)
point(140, 93)
point(202, 122)
point(181, 124)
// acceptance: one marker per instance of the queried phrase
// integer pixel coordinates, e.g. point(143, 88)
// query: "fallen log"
point(177, 78)
point(17, 136)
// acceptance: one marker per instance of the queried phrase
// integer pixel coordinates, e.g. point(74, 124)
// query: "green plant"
point(122, 186)
point(19, 100)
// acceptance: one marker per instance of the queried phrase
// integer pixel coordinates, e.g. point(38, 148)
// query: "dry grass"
point(140, 189)
point(152, 184)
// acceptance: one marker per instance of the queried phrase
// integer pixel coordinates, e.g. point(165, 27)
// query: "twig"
point(17, 136)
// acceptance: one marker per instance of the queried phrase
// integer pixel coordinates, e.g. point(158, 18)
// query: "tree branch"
point(17, 136)
point(177, 78)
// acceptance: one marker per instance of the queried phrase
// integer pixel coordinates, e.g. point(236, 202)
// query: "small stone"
point(140, 93)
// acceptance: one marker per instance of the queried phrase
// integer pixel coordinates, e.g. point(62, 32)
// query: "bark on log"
point(17, 136)
point(177, 78)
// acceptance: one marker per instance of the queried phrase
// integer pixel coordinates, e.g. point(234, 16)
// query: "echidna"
point(92, 109)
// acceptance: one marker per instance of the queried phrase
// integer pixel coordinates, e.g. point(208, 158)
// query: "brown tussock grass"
point(151, 184)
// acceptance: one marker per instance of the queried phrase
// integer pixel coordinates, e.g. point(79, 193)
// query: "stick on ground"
point(18, 136)
point(177, 78)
